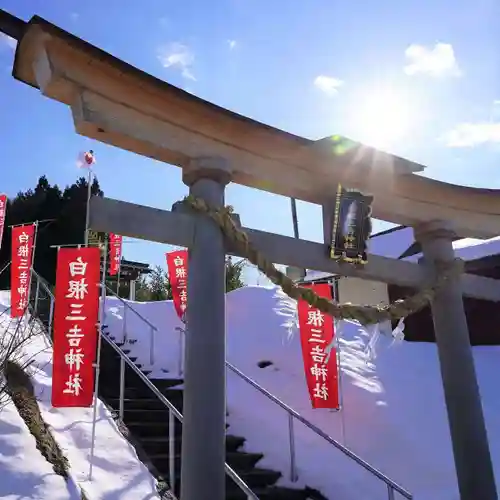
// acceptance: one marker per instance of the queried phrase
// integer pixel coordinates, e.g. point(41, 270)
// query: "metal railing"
point(4, 268)
point(293, 415)
point(391, 485)
point(42, 295)
point(152, 328)
point(173, 413)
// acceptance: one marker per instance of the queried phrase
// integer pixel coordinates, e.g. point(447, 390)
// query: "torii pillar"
point(476, 479)
point(204, 409)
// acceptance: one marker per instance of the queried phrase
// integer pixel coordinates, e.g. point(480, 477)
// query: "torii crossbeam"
point(118, 104)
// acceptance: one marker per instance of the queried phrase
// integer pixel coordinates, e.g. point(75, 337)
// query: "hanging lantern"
point(351, 226)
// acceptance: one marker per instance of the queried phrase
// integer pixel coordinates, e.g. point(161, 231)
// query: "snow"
point(471, 249)
point(393, 413)
point(118, 473)
point(316, 275)
point(393, 408)
point(24, 472)
point(395, 243)
point(391, 244)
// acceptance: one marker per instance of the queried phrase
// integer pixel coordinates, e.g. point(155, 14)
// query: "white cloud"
point(232, 44)
point(179, 56)
point(438, 61)
point(328, 84)
point(466, 135)
point(7, 40)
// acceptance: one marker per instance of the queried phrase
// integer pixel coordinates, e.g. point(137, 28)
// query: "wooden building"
point(483, 316)
point(129, 273)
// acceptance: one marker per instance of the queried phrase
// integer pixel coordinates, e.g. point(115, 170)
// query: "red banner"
point(20, 275)
point(3, 209)
point(316, 333)
point(177, 264)
point(115, 244)
point(75, 326)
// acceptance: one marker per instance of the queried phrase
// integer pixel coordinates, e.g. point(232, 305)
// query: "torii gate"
point(118, 104)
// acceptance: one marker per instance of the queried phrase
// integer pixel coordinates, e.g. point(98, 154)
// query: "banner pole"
point(32, 264)
point(341, 391)
point(337, 331)
point(35, 236)
point(32, 222)
point(98, 355)
point(3, 215)
point(118, 281)
point(295, 221)
point(87, 212)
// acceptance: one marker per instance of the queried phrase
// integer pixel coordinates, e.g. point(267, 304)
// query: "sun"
point(382, 117)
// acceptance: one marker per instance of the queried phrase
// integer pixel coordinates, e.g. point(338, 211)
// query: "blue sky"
point(313, 68)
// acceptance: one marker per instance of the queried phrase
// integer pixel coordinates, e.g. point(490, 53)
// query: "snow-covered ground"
point(118, 474)
point(471, 249)
point(393, 245)
point(393, 417)
point(24, 472)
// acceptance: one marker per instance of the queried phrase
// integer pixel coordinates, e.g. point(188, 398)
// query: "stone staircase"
point(147, 421)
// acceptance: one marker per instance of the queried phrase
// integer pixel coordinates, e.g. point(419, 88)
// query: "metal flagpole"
point(98, 355)
point(118, 280)
point(339, 367)
point(33, 222)
point(35, 236)
point(87, 212)
point(295, 221)
point(341, 389)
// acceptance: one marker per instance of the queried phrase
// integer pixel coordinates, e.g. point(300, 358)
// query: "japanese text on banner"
point(20, 276)
point(177, 265)
point(316, 333)
point(115, 244)
point(75, 326)
point(3, 210)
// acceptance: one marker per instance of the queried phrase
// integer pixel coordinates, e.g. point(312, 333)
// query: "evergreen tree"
point(62, 221)
point(159, 285)
point(142, 291)
point(233, 274)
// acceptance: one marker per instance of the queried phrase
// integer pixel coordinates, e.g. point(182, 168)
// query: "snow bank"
point(24, 471)
point(118, 474)
point(394, 415)
point(471, 249)
point(391, 244)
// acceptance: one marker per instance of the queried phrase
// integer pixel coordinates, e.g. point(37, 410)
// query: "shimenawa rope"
point(365, 314)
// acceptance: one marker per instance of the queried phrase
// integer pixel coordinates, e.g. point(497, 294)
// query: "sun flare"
point(382, 117)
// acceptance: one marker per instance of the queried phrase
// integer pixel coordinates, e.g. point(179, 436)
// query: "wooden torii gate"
point(118, 104)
